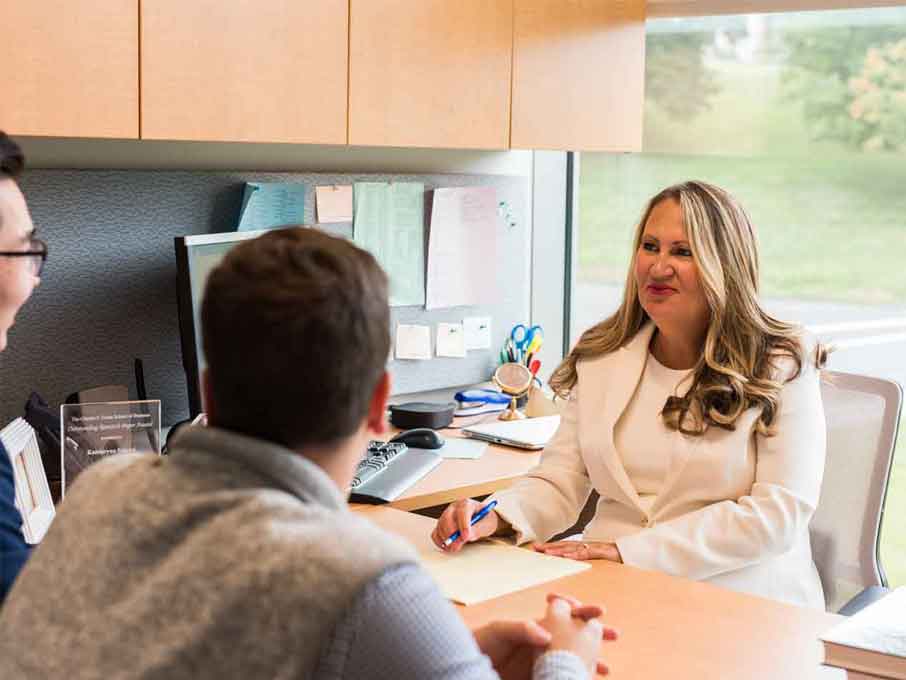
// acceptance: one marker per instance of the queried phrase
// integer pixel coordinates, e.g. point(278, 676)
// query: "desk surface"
point(669, 627)
point(454, 478)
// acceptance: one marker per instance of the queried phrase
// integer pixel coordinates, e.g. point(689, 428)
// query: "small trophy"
point(92, 431)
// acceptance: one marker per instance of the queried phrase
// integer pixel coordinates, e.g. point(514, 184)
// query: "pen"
point(476, 518)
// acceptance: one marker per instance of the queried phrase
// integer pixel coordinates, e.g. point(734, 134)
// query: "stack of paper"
point(872, 643)
point(488, 569)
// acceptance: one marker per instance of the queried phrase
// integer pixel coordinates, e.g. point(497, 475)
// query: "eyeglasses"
point(36, 254)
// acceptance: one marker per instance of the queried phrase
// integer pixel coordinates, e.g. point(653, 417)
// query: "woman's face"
point(669, 286)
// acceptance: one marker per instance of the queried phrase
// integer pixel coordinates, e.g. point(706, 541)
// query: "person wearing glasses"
point(21, 259)
point(694, 414)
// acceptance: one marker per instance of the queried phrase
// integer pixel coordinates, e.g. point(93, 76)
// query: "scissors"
point(524, 338)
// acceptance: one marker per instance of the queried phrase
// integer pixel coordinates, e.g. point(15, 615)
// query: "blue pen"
point(476, 518)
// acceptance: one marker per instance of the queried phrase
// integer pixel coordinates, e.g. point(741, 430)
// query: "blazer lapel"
point(607, 385)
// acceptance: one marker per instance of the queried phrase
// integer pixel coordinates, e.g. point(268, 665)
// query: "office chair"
point(862, 416)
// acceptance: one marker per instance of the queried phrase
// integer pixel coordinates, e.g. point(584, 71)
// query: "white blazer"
point(735, 505)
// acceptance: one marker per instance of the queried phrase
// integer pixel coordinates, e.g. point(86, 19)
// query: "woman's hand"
point(513, 646)
point(579, 550)
point(456, 518)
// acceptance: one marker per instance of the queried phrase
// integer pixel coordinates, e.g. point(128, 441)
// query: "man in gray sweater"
point(236, 555)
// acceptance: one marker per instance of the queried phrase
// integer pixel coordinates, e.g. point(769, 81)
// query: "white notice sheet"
point(463, 248)
point(478, 332)
point(413, 341)
point(451, 340)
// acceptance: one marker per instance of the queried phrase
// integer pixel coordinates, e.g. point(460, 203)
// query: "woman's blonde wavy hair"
point(737, 369)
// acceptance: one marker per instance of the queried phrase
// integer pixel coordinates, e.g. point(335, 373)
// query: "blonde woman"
point(695, 415)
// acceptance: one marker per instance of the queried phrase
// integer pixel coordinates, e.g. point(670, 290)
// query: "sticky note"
point(477, 332)
point(413, 342)
point(334, 203)
point(451, 341)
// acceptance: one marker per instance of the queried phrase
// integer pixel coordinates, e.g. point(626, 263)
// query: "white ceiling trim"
point(686, 8)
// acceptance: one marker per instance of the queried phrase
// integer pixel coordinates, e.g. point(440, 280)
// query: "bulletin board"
point(108, 293)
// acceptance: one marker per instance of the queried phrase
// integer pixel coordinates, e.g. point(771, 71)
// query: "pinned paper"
point(334, 203)
point(413, 342)
point(477, 332)
point(389, 222)
point(463, 248)
point(451, 340)
point(266, 205)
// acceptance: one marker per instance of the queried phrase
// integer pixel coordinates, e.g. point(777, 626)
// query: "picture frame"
point(33, 499)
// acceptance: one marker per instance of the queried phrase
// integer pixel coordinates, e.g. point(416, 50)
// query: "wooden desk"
point(455, 478)
point(669, 627)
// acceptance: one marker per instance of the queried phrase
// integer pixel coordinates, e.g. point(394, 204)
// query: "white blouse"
point(644, 443)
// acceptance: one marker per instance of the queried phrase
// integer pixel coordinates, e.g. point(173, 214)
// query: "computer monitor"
point(196, 256)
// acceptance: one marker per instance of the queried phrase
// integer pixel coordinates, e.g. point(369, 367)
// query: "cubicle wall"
point(108, 292)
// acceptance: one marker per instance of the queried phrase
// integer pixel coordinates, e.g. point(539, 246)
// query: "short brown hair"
point(12, 160)
point(296, 333)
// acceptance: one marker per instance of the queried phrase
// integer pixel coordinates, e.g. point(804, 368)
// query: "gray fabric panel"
point(109, 289)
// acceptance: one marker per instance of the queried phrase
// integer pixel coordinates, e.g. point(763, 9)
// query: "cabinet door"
point(578, 74)
point(245, 70)
point(69, 69)
point(430, 73)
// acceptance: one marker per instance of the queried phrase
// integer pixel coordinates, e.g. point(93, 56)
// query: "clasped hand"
point(569, 625)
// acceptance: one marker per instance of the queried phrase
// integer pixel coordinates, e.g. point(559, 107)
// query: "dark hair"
point(12, 160)
point(296, 333)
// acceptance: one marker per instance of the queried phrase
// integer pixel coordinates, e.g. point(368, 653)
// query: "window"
point(803, 117)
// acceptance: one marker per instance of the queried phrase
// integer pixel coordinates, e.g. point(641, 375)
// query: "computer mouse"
point(420, 438)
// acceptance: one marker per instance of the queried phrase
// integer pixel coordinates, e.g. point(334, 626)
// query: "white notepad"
point(488, 569)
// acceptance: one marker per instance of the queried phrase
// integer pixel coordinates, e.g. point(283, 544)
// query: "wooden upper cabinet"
point(578, 74)
point(245, 70)
point(430, 73)
point(69, 69)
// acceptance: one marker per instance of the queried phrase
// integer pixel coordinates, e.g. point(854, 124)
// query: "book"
point(873, 641)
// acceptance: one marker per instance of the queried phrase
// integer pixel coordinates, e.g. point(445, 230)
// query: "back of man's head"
point(296, 333)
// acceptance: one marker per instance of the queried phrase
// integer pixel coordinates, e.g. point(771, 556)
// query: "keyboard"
point(388, 469)
point(377, 457)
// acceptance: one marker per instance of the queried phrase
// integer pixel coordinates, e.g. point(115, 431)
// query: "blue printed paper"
point(266, 205)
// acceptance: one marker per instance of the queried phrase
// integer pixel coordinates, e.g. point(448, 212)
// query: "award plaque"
point(93, 431)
